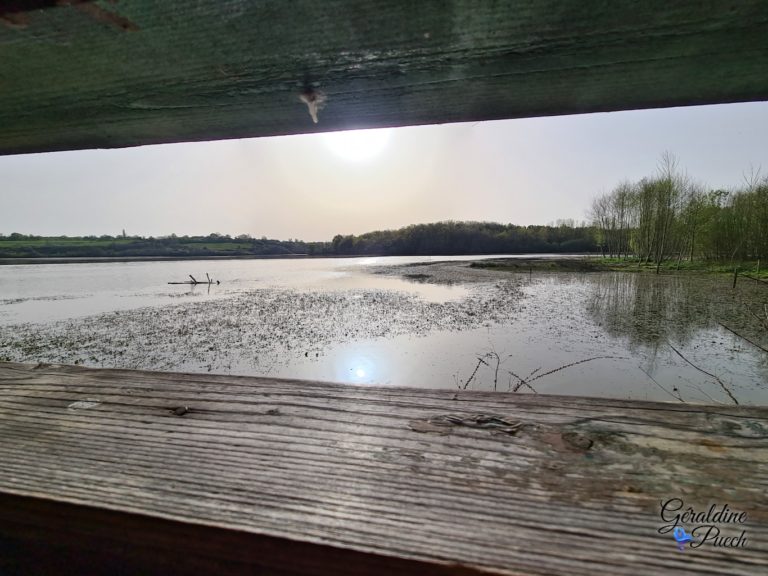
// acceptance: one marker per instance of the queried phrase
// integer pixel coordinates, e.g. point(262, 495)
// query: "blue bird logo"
point(681, 537)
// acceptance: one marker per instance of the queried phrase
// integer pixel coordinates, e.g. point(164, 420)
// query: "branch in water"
point(722, 385)
point(527, 380)
point(479, 361)
point(576, 363)
point(763, 321)
point(522, 382)
point(652, 379)
point(743, 337)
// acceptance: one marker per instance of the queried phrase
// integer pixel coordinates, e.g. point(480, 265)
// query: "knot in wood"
point(493, 422)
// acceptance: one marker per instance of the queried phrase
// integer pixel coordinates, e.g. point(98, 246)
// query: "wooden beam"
point(100, 75)
point(103, 469)
point(41, 536)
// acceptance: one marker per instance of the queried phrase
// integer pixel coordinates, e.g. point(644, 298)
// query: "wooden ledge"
point(112, 471)
point(85, 74)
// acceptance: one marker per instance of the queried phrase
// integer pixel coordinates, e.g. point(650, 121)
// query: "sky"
point(312, 187)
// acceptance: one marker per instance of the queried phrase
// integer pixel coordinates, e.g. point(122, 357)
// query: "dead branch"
point(705, 394)
point(576, 363)
point(754, 278)
point(722, 385)
point(652, 379)
point(763, 321)
point(496, 373)
point(743, 337)
point(479, 361)
point(522, 382)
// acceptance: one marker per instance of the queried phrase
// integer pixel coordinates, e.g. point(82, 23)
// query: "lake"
point(399, 321)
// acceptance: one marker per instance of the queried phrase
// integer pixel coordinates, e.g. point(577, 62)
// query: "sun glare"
point(358, 145)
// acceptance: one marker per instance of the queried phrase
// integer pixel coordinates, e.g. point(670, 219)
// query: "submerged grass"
point(608, 264)
point(747, 269)
point(249, 332)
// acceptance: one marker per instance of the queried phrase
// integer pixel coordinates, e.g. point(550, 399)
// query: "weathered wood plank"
point(292, 477)
point(87, 75)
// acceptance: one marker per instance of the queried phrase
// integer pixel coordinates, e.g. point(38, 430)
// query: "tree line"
point(31, 246)
point(669, 215)
point(440, 238)
point(446, 238)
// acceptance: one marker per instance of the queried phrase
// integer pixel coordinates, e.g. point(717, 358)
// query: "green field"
point(19, 246)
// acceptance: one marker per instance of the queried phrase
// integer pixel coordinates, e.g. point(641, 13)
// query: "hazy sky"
point(531, 171)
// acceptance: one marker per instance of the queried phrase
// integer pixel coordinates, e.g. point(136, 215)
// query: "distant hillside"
point(441, 238)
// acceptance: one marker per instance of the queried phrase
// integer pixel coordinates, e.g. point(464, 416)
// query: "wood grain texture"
point(291, 477)
point(87, 75)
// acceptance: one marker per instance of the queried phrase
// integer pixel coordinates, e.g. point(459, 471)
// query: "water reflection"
point(700, 322)
point(650, 310)
point(357, 368)
point(50, 292)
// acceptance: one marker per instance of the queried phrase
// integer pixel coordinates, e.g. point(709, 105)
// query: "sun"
point(358, 145)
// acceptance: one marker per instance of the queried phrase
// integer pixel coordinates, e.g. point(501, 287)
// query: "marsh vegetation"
point(671, 216)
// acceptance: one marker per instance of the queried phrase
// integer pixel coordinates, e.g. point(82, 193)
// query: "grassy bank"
point(598, 264)
point(635, 265)
point(527, 265)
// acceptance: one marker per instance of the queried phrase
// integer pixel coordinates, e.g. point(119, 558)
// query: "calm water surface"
point(46, 292)
point(618, 335)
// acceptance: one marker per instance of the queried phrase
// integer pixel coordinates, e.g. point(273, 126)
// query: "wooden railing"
point(110, 471)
